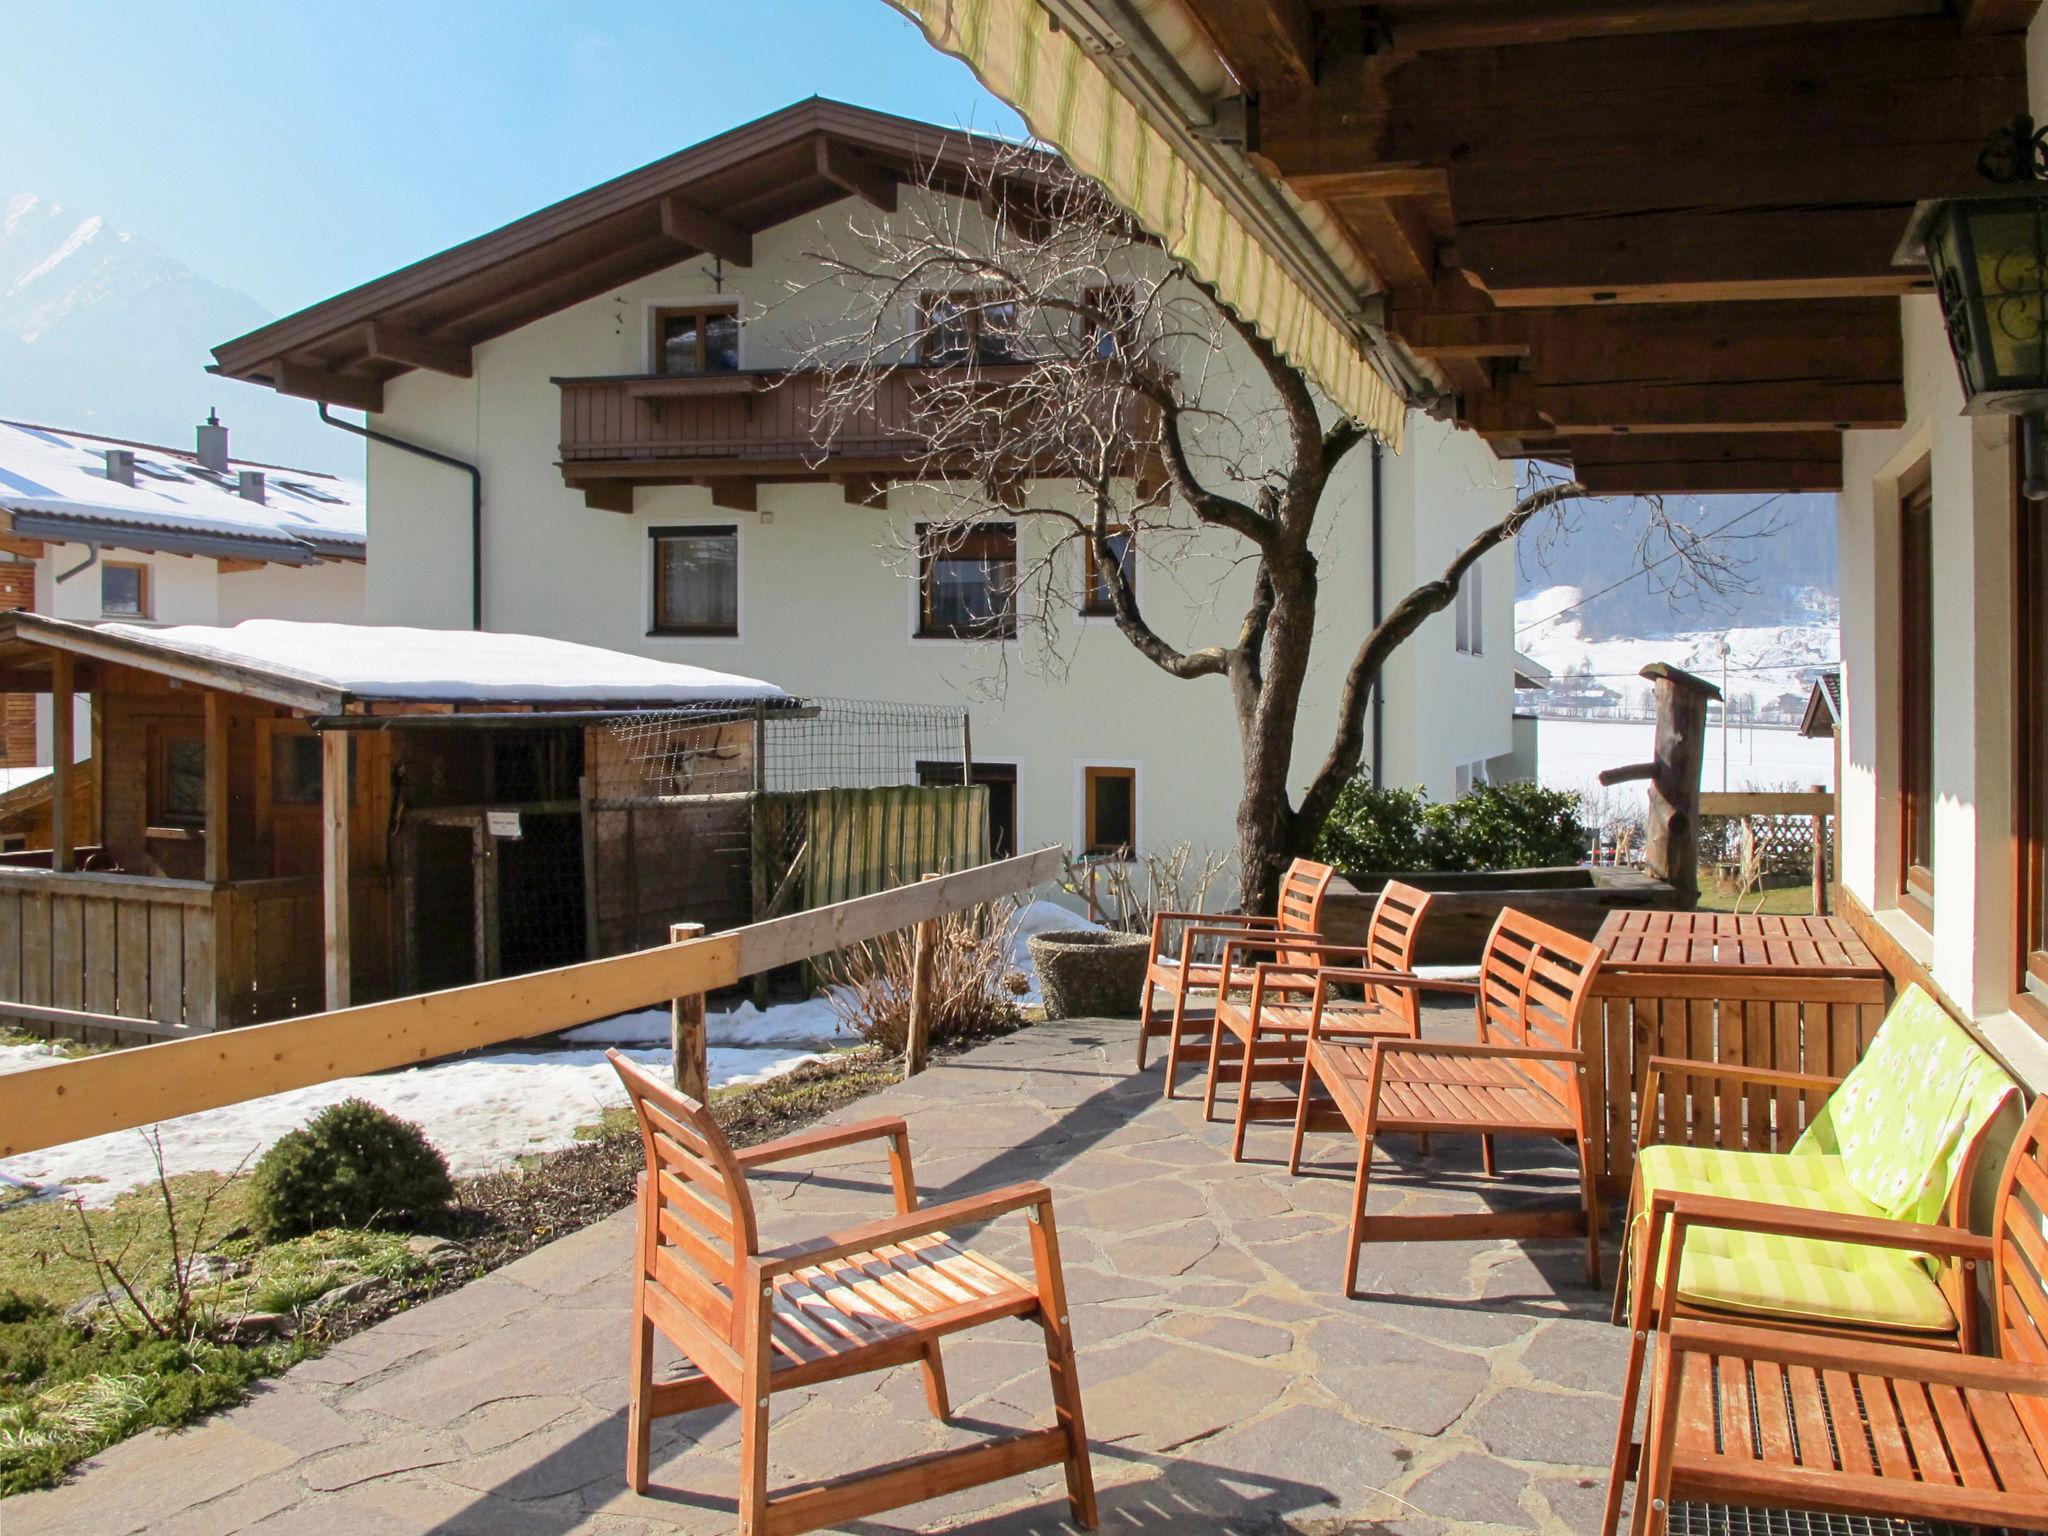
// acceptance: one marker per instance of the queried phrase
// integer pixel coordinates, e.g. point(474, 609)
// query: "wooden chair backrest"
point(1300, 909)
point(1390, 942)
point(2019, 1268)
point(1533, 982)
point(703, 1227)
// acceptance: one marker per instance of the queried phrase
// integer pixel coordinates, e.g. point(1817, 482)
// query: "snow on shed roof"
point(55, 481)
point(445, 666)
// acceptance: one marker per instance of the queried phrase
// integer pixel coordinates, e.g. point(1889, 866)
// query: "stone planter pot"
point(1089, 975)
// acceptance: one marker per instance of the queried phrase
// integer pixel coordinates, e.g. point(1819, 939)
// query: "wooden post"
point(1820, 859)
point(586, 792)
point(966, 749)
point(334, 862)
point(688, 1047)
point(216, 787)
point(61, 830)
point(1671, 851)
point(924, 961)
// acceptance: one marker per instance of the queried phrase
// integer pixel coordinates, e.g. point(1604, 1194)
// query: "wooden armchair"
point(1800, 1419)
point(752, 1321)
point(1274, 1030)
point(1179, 974)
point(1524, 1076)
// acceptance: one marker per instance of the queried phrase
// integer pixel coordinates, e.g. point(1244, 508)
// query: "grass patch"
point(68, 1389)
point(68, 1049)
point(1778, 901)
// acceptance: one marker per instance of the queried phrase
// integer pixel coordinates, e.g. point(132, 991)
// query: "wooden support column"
point(1671, 850)
point(924, 961)
point(216, 787)
point(334, 862)
point(62, 833)
point(1820, 858)
point(689, 1049)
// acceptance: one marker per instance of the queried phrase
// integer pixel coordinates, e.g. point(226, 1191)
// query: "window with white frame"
point(1470, 608)
point(1468, 776)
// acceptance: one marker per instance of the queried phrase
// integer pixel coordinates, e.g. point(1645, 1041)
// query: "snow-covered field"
point(1571, 753)
point(482, 1111)
point(1763, 663)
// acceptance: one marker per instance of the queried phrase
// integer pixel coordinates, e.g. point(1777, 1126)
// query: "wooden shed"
point(281, 816)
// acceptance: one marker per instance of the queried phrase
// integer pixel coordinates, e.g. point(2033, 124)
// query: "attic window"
point(956, 326)
point(157, 471)
point(699, 338)
point(311, 493)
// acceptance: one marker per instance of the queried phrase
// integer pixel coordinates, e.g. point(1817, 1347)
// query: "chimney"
point(250, 484)
point(213, 443)
point(121, 465)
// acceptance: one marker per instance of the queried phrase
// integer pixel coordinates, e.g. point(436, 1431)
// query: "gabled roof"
point(1530, 673)
point(711, 198)
point(54, 484)
point(1823, 706)
point(326, 668)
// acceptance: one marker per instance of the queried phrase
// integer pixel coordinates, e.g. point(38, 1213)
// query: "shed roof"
point(54, 483)
point(327, 668)
point(1823, 706)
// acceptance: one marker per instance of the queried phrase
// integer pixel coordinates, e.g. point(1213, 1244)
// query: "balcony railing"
point(756, 424)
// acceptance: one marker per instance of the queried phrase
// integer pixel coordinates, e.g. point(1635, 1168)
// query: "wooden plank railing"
point(47, 1106)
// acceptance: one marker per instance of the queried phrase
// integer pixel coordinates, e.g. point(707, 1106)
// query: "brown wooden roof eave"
point(437, 308)
point(24, 634)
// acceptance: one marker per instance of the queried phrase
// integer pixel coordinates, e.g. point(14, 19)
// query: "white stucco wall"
point(1971, 950)
point(827, 606)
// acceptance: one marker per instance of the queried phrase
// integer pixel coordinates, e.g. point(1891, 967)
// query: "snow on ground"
point(1763, 662)
point(481, 1111)
point(1571, 753)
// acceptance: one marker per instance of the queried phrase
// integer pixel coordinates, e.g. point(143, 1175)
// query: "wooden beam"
point(118, 1090)
point(62, 833)
point(1707, 463)
point(236, 567)
point(735, 495)
point(607, 495)
point(334, 883)
point(853, 171)
point(1265, 45)
point(1998, 15)
point(687, 224)
point(27, 549)
point(1414, 26)
point(865, 490)
point(1738, 405)
point(1501, 333)
point(217, 780)
point(391, 343)
point(357, 394)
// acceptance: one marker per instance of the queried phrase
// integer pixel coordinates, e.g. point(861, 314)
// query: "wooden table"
point(1799, 994)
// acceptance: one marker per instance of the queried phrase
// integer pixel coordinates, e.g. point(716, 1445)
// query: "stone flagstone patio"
point(1227, 1386)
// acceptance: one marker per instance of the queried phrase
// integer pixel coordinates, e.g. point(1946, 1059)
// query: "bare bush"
point(1124, 895)
point(974, 987)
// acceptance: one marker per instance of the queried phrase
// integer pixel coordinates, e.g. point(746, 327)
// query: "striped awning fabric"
point(1068, 102)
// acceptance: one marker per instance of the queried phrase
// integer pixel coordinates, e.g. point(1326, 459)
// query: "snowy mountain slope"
point(101, 330)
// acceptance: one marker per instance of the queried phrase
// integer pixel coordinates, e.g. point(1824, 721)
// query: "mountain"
point(103, 331)
point(1781, 550)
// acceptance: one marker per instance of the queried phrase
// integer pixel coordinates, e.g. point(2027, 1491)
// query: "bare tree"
point(1043, 359)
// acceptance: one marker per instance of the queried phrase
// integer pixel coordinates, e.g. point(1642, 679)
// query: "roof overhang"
point(710, 199)
point(111, 530)
point(1504, 171)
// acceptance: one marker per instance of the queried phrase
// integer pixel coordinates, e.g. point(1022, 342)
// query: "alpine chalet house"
point(617, 369)
point(1688, 247)
point(96, 528)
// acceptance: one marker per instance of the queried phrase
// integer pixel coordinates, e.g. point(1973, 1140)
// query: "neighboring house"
point(618, 369)
point(105, 528)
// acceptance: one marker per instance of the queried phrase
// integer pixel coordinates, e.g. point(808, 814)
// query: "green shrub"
point(1496, 826)
point(351, 1165)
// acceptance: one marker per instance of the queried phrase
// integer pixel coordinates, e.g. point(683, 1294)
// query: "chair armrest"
point(1686, 1209)
point(1234, 919)
point(1686, 1066)
point(1823, 1351)
point(897, 1229)
point(1408, 979)
point(803, 1143)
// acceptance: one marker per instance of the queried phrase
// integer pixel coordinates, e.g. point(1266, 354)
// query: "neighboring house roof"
point(1823, 706)
point(325, 668)
point(54, 485)
point(708, 199)
point(1530, 673)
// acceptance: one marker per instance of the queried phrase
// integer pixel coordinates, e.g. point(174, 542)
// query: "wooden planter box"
point(1572, 897)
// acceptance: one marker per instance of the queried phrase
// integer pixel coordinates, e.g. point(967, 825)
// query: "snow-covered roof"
point(369, 662)
point(55, 484)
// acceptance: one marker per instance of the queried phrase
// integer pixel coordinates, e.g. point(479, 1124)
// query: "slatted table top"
point(1714, 943)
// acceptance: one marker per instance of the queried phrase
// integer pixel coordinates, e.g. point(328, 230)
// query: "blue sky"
point(293, 149)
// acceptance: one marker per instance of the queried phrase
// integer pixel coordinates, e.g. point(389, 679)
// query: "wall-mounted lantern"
point(1989, 257)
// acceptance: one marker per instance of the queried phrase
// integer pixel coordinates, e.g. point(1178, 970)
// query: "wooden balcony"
point(732, 431)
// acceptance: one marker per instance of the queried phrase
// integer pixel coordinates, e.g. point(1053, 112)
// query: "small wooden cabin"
point(282, 816)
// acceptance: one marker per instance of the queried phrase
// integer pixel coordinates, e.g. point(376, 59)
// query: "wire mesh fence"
point(528, 843)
